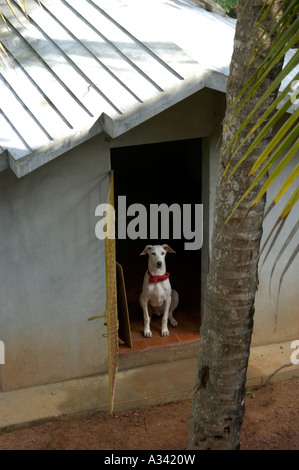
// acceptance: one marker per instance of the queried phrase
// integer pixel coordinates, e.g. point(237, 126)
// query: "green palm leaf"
point(284, 145)
point(24, 11)
point(269, 125)
point(286, 42)
point(289, 180)
point(274, 85)
point(289, 132)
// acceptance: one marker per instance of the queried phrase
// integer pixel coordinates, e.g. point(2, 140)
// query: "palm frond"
point(282, 140)
point(287, 12)
point(23, 8)
point(290, 66)
point(270, 123)
point(284, 145)
point(287, 136)
point(287, 40)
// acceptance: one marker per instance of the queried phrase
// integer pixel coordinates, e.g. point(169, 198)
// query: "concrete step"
point(136, 387)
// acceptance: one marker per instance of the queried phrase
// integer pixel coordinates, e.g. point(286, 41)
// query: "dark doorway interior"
point(168, 172)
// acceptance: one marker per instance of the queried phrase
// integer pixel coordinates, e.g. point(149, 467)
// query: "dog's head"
point(157, 255)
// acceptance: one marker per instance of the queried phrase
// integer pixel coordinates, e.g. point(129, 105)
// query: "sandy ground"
point(270, 423)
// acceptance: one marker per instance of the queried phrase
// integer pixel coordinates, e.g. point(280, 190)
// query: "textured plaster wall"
point(277, 313)
point(52, 270)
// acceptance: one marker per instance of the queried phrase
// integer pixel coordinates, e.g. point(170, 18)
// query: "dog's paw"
point(173, 322)
point(165, 332)
point(147, 333)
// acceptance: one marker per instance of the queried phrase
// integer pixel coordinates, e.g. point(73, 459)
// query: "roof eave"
point(116, 126)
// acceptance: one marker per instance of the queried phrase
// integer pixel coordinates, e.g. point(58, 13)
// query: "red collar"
point(158, 278)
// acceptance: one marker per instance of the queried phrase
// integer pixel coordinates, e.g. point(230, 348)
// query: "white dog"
point(157, 296)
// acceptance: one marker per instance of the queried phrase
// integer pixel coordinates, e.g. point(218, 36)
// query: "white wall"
point(52, 270)
point(268, 304)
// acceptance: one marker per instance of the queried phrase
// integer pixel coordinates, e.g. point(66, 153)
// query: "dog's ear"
point(146, 249)
point(167, 248)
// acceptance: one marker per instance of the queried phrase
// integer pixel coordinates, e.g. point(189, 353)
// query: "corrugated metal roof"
point(80, 67)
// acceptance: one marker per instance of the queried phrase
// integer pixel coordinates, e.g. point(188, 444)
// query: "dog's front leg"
point(164, 330)
point(146, 318)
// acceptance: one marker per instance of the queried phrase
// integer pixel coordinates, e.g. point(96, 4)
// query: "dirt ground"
point(270, 423)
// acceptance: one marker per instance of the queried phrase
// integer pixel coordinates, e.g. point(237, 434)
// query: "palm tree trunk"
point(218, 402)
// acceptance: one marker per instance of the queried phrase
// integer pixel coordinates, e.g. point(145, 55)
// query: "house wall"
point(52, 270)
point(277, 316)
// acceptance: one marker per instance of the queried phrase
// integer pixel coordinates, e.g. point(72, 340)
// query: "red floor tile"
point(162, 340)
point(192, 336)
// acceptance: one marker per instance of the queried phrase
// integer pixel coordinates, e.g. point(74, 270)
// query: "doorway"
point(170, 173)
